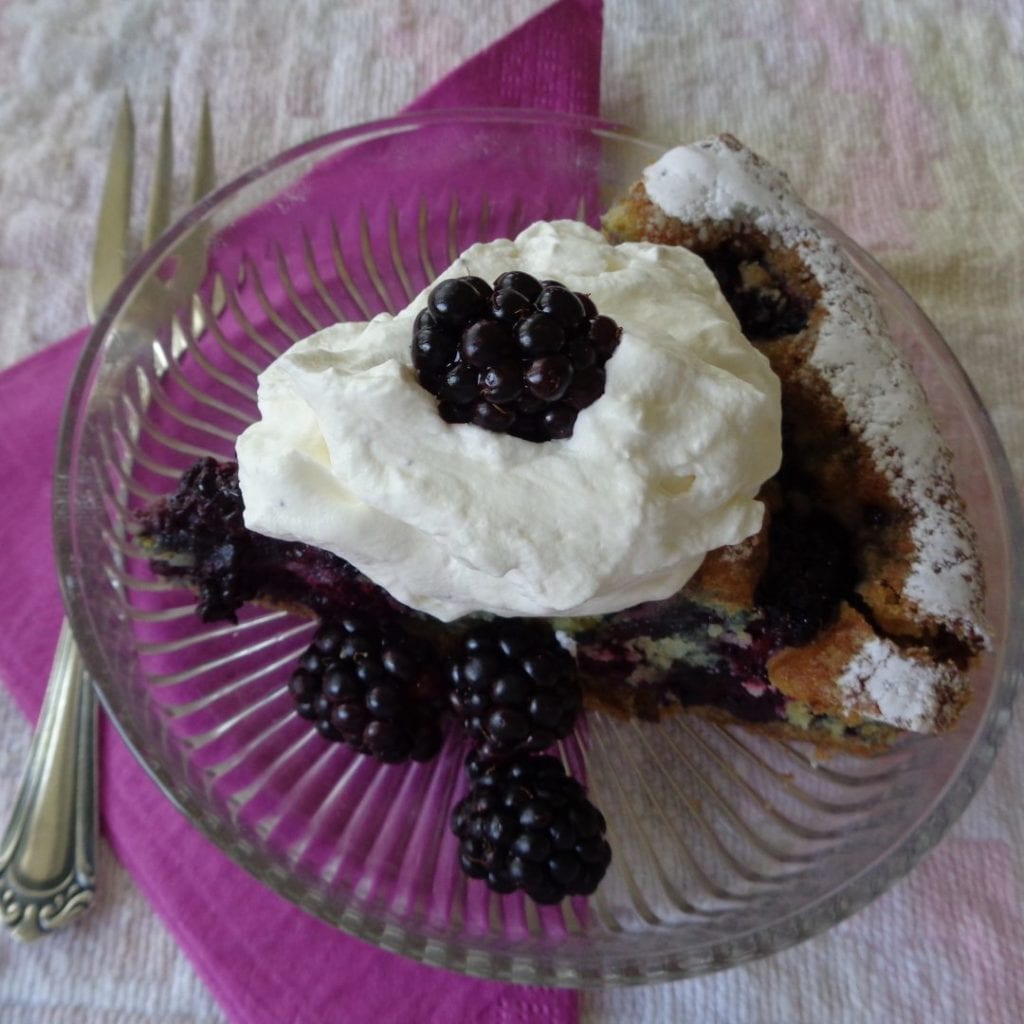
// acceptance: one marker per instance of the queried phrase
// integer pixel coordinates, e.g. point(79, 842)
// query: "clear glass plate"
point(727, 846)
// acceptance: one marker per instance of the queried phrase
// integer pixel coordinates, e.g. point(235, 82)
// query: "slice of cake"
point(863, 594)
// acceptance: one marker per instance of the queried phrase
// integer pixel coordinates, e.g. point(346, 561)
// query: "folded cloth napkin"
point(264, 959)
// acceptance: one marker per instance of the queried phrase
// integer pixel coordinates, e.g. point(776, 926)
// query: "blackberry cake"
point(835, 597)
point(860, 599)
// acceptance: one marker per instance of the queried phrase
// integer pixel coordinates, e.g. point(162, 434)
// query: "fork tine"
point(204, 177)
point(205, 174)
point(110, 252)
point(159, 214)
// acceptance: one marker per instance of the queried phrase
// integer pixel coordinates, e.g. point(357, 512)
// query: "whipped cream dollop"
point(351, 455)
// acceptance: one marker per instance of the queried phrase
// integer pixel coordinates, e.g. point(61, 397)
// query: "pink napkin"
point(264, 959)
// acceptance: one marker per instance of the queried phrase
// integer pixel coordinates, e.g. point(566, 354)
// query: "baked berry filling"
point(682, 651)
point(765, 305)
point(811, 569)
point(197, 535)
point(696, 652)
point(521, 357)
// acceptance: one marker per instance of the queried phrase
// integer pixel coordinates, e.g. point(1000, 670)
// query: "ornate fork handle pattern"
point(48, 853)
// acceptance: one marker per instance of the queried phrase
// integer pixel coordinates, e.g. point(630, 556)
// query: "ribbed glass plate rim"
point(808, 921)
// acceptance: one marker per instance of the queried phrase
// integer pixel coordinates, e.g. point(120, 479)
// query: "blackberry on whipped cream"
point(522, 357)
point(351, 456)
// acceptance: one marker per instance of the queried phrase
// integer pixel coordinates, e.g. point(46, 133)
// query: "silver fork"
point(48, 852)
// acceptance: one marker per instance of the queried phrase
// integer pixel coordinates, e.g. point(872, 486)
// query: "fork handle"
point(48, 853)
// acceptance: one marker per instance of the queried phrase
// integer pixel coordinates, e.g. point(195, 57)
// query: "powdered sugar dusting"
point(884, 682)
point(720, 180)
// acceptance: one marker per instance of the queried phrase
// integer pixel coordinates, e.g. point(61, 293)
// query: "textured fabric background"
point(902, 120)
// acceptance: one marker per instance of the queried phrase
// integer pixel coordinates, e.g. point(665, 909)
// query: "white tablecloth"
point(903, 120)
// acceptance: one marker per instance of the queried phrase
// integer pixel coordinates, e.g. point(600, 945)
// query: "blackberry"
point(377, 690)
point(457, 301)
point(522, 357)
point(527, 825)
point(514, 688)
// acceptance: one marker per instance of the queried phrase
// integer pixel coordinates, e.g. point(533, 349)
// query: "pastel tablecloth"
point(903, 120)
